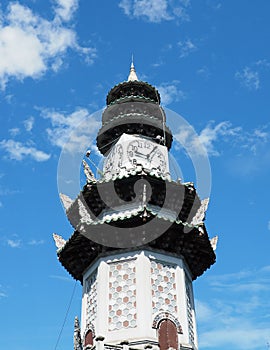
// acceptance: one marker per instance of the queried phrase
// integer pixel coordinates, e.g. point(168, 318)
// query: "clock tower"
point(139, 236)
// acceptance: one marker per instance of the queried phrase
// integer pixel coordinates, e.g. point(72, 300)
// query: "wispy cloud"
point(213, 135)
point(35, 242)
point(65, 9)
point(263, 63)
point(205, 140)
point(240, 313)
point(186, 47)
point(2, 292)
point(14, 131)
point(30, 44)
point(29, 123)
point(203, 72)
point(14, 243)
point(18, 151)
point(156, 11)
point(170, 92)
point(61, 278)
point(75, 130)
point(248, 78)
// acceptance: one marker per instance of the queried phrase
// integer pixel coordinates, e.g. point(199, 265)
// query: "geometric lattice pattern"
point(189, 311)
point(163, 287)
point(122, 295)
point(91, 303)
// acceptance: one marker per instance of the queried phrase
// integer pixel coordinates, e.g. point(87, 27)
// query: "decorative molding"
point(166, 316)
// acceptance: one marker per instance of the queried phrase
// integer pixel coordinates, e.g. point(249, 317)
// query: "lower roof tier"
point(131, 190)
point(140, 231)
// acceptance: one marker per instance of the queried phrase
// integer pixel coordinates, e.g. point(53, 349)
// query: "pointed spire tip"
point(132, 73)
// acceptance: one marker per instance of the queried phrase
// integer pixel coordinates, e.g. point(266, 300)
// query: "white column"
point(83, 311)
point(182, 304)
point(102, 299)
point(144, 297)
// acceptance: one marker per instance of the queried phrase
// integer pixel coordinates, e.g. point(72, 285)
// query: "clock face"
point(114, 159)
point(146, 153)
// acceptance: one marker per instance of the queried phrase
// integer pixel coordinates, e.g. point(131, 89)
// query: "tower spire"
point(132, 73)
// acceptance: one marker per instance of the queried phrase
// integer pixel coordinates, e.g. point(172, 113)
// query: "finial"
point(59, 241)
point(213, 242)
point(77, 340)
point(132, 74)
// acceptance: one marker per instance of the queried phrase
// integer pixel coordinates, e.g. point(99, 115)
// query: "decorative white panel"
point(91, 306)
point(163, 287)
point(122, 295)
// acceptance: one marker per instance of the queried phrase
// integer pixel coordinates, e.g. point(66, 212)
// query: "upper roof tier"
point(133, 87)
point(133, 107)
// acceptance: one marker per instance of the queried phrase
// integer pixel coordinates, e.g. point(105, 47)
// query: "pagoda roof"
point(118, 191)
point(190, 242)
point(133, 88)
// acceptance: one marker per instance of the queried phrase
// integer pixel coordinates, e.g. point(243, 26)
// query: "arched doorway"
point(167, 335)
point(88, 338)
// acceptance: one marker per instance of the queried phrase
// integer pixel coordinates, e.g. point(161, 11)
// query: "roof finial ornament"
point(132, 74)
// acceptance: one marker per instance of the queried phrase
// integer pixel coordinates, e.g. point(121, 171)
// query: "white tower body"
point(127, 295)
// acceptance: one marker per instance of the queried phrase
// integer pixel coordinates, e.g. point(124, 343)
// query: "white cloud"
point(170, 92)
point(61, 278)
point(204, 142)
point(18, 151)
point(212, 135)
point(65, 8)
point(263, 63)
point(35, 242)
point(14, 243)
point(30, 45)
point(248, 78)
point(238, 336)
point(3, 295)
point(29, 123)
point(73, 131)
point(203, 72)
point(14, 131)
point(240, 311)
point(156, 11)
point(186, 47)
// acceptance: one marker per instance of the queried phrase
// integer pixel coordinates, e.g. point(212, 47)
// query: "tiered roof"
point(154, 211)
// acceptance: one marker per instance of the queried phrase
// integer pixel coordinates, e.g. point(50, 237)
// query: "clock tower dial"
point(147, 153)
point(114, 159)
point(133, 150)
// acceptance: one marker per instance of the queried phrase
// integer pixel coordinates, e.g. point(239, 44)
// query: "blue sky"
point(211, 63)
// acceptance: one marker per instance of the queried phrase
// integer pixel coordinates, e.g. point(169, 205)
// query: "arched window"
point(88, 338)
point(167, 335)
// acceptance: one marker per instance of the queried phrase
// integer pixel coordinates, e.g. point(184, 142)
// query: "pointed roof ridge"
point(132, 73)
